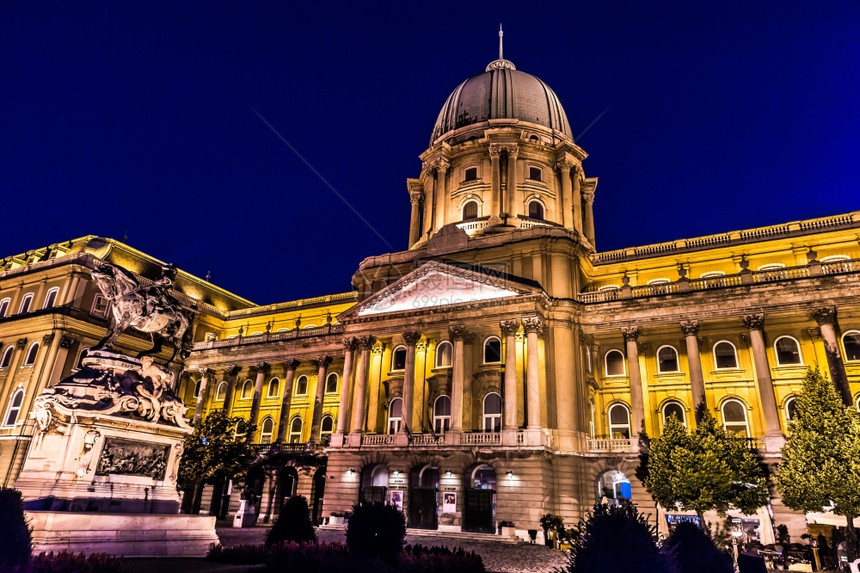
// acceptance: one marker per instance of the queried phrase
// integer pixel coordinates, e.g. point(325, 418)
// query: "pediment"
point(438, 285)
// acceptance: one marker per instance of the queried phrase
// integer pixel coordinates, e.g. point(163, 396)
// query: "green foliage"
point(704, 469)
point(293, 523)
point(216, 449)
point(376, 530)
point(821, 459)
point(15, 543)
point(690, 550)
point(616, 540)
point(782, 535)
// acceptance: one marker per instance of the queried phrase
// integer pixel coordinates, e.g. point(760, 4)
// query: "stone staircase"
point(435, 533)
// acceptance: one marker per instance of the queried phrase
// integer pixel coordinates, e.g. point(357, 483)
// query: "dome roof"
point(501, 92)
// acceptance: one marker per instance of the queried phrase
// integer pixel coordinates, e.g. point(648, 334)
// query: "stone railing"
point(477, 438)
point(747, 236)
point(473, 225)
point(527, 223)
point(377, 440)
point(270, 337)
point(428, 439)
point(612, 444)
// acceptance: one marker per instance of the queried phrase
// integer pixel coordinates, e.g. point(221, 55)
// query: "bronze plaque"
point(132, 458)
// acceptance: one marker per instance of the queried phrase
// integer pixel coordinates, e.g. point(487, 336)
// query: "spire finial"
point(501, 57)
point(501, 63)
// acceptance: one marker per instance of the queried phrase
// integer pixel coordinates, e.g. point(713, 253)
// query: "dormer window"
point(470, 211)
point(471, 174)
point(535, 173)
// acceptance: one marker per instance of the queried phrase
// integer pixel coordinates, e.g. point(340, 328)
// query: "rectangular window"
point(25, 304)
point(100, 306)
point(471, 174)
point(535, 174)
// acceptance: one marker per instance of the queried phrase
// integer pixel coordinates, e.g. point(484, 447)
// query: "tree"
point(15, 542)
point(293, 523)
point(615, 540)
point(704, 469)
point(216, 451)
point(821, 460)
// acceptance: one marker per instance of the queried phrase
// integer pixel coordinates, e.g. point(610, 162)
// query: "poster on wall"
point(449, 502)
point(397, 499)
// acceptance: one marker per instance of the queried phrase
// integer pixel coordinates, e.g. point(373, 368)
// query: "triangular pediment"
point(438, 285)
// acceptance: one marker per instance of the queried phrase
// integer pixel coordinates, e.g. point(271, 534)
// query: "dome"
point(501, 92)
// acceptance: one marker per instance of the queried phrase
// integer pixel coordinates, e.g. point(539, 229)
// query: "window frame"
point(6, 357)
point(796, 344)
point(325, 435)
point(441, 422)
point(535, 169)
point(219, 395)
point(734, 351)
point(477, 210)
point(792, 399)
point(4, 306)
point(769, 267)
point(328, 379)
point(492, 422)
point(293, 433)
point(487, 341)
point(32, 354)
point(51, 297)
point(606, 364)
point(395, 352)
point(743, 409)
point(27, 302)
point(277, 384)
point(19, 395)
point(298, 386)
point(250, 394)
point(264, 433)
point(540, 206)
point(610, 425)
point(394, 423)
point(94, 309)
point(855, 333)
point(677, 360)
point(466, 170)
point(712, 274)
point(439, 354)
point(678, 403)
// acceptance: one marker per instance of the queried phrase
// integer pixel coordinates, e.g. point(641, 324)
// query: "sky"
point(151, 120)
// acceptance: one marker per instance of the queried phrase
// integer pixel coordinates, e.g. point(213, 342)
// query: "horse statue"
point(150, 309)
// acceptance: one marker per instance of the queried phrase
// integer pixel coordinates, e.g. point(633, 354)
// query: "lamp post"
point(736, 535)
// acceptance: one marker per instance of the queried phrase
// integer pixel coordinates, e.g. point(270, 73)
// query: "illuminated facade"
point(500, 367)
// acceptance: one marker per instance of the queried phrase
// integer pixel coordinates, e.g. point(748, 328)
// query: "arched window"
point(492, 412)
point(331, 384)
point(51, 297)
point(80, 362)
point(790, 408)
point(619, 421)
point(470, 210)
point(14, 408)
point(612, 487)
point(398, 358)
point(395, 412)
point(221, 391)
point(31, 354)
point(492, 350)
point(295, 435)
point(534, 137)
point(536, 210)
point(771, 267)
point(787, 351)
point(274, 388)
point(676, 409)
point(4, 307)
point(302, 386)
point(735, 418)
point(725, 355)
point(267, 428)
point(712, 274)
point(197, 389)
point(851, 343)
point(667, 359)
point(247, 390)
point(614, 363)
point(25, 304)
point(7, 357)
point(326, 429)
point(444, 355)
point(442, 414)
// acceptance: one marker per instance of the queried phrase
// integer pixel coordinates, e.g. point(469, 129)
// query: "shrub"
point(239, 554)
point(376, 530)
point(419, 559)
point(293, 524)
point(691, 550)
point(15, 543)
point(615, 540)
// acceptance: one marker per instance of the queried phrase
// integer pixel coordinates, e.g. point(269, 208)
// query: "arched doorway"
point(374, 484)
point(479, 509)
point(612, 487)
point(288, 481)
point(317, 494)
point(423, 497)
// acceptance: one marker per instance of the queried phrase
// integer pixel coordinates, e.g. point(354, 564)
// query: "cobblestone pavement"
point(498, 557)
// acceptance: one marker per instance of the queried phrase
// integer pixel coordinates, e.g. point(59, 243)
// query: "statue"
point(151, 309)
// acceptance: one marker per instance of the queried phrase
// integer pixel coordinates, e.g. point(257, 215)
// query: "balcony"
point(519, 439)
point(612, 445)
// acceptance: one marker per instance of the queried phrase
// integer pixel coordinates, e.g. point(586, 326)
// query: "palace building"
point(498, 368)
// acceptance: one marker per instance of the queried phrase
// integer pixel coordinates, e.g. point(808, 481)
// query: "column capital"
point(232, 369)
point(66, 342)
point(47, 339)
point(690, 327)
point(291, 364)
point(457, 331)
point(631, 333)
point(533, 324)
point(321, 361)
point(366, 342)
point(565, 164)
point(754, 321)
point(509, 327)
point(411, 337)
point(495, 150)
point(588, 196)
point(416, 198)
point(260, 366)
point(21, 344)
point(824, 315)
point(206, 371)
point(350, 343)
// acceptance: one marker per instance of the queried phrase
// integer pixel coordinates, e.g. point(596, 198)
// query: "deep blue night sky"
point(137, 118)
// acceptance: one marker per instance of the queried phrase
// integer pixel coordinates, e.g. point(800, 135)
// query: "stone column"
point(496, 181)
point(426, 179)
point(358, 412)
point(205, 374)
point(533, 327)
point(322, 368)
point(576, 196)
point(414, 219)
point(637, 404)
point(441, 191)
point(411, 339)
point(232, 370)
point(509, 330)
point(511, 190)
point(349, 346)
point(690, 328)
point(457, 334)
point(755, 324)
point(588, 229)
point(258, 397)
point(66, 343)
point(826, 318)
point(564, 165)
point(291, 366)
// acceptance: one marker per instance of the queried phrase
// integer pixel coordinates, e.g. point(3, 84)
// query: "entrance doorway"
point(288, 480)
point(423, 497)
point(479, 509)
point(374, 484)
point(317, 494)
